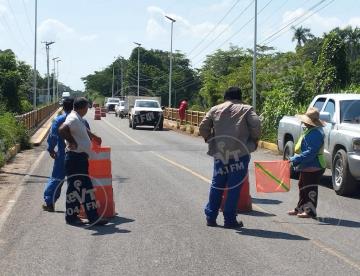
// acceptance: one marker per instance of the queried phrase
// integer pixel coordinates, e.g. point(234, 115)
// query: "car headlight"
point(356, 144)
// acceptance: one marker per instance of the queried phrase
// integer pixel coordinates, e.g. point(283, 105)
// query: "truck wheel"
point(133, 125)
point(343, 182)
point(289, 152)
point(116, 114)
point(161, 125)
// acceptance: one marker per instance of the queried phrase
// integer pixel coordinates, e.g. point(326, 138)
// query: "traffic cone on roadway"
point(100, 174)
point(245, 202)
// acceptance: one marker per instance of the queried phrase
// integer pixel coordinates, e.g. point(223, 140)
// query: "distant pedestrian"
point(78, 149)
point(232, 130)
point(309, 161)
point(182, 109)
point(53, 187)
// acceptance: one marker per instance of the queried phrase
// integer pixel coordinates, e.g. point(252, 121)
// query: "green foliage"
point(25, 106)
point(332, 65)
point(277, 103)
point(154, 76)
point(11, 133)
point(301, 35)
point(355, 71)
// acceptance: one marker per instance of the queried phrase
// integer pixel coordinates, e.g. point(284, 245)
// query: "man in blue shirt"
point(54, 184)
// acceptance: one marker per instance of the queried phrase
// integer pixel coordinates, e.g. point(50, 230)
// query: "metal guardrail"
point(193, 118)
point(33, 119)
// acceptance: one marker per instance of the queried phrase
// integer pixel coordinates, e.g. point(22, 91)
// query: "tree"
point(332, 64)
point(301, 35)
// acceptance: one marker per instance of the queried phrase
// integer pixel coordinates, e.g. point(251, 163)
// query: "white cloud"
point(52, 29)
point(220, 6)
point(354, 22)
point(154, 29)
point(158, 25)
point(3, 10)
point(88, 38)
point(315, 20)
point(317, 23)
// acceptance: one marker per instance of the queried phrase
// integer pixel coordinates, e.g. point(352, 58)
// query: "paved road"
point(160, 182)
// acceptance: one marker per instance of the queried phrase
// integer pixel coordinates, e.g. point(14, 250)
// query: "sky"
point(90, 34)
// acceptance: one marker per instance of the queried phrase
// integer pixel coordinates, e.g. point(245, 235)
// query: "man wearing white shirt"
point(78, 148)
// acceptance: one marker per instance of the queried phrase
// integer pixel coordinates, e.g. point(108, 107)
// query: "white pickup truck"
point(341, 112)
point(146, 112)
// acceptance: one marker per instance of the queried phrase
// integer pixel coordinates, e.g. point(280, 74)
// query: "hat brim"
point(305, 119)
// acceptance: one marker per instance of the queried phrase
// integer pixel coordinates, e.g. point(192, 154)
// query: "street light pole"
point(54, 76)
point(57, 84)
point(170, 70)
point(254, 59)
point(35, 51)
point(138, 78)
point(112, 85)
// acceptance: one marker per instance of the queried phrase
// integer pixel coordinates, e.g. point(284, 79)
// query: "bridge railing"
point(35, 118)
point(193, 118)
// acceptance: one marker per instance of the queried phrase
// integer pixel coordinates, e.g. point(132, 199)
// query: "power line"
point(292, 21)
point(319, 9)
point(17, 25)
point(236, 33)
point(220, 34)
point(27, 17)
point(215, 27)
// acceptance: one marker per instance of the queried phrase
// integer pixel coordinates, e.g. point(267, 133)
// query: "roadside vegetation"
point(15, 98)
point(286, 81)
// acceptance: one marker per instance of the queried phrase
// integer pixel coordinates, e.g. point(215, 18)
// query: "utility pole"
point(57, 84)
point(54, 80)
point(170, 70)
point(138, 78)
point(122, 79)
point(35, 50)
point(254, 59)
point(112, 86)
point(47, 45)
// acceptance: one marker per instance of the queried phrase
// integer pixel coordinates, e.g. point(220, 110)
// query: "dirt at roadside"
point(12, 174)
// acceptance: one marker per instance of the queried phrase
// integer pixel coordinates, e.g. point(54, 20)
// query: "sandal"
point(292, 213)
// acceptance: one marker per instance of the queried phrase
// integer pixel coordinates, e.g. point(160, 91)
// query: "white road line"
point(11, 203)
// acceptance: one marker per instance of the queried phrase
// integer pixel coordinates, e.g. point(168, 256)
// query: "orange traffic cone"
point(245, 202)
point(100, 174)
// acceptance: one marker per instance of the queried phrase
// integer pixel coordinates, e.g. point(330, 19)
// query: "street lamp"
point(57, 84)
point(172, 22)
point(138, 84)
point(53, 94)
point(35, 51)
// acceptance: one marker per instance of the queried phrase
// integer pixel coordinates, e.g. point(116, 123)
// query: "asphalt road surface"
point(161, 183)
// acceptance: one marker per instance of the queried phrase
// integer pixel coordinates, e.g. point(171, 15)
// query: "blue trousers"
point(55, 182)
point(80, 188)
point(228, 176)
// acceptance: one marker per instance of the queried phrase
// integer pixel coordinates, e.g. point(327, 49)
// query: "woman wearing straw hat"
point(309, 161)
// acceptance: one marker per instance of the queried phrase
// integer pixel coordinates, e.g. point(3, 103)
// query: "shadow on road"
point(265, 201)
point(24, 174)
point(338, 222)
point(270, 234)
point(111, 228)
point(255, 213)
point(150, 128)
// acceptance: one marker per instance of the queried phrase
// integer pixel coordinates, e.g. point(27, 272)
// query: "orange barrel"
point(100, 174)
point(245, 202)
